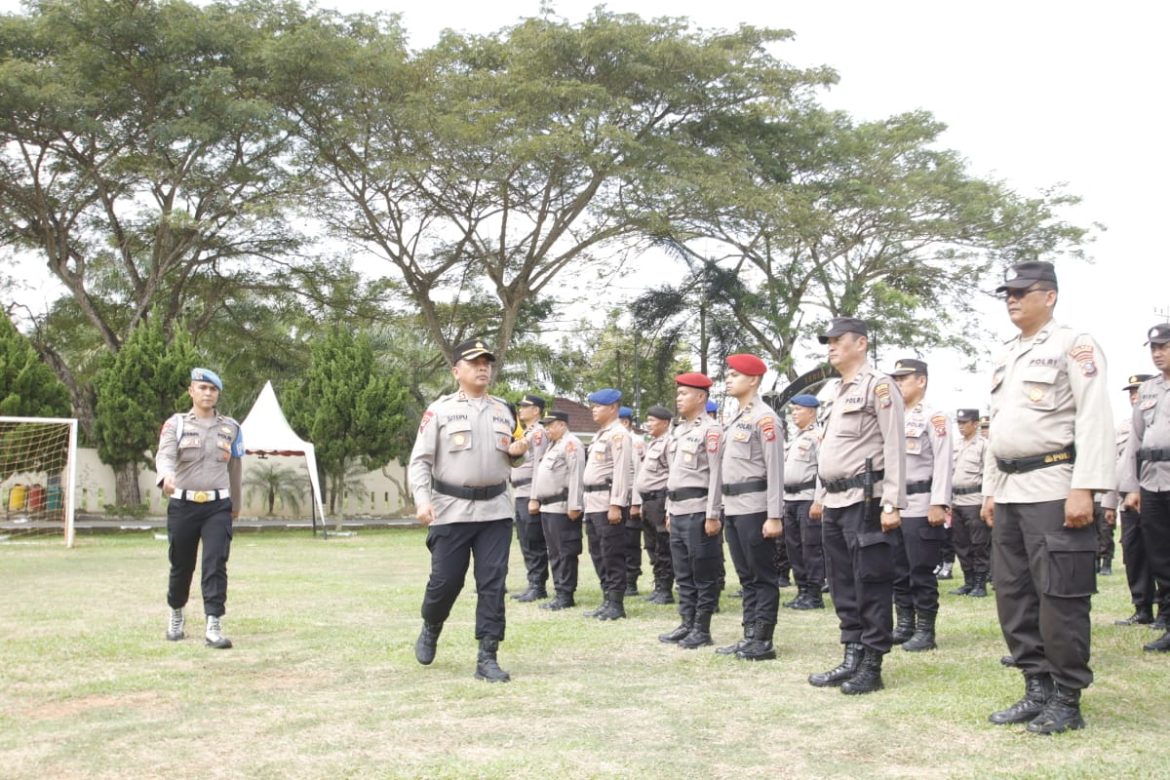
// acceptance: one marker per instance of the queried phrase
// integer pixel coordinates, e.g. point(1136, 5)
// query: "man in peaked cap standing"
point(972, 536)
point(649, 503)
point(862, 488)
point(1145, 474)
point(528, 527)
point(459, 470)
point(918, 543)
point(198, 467)
point(558, 496)
point(801, 532)
point(1051, 448)
point(695, 498)
point(633, 522)
point(752, 461)
point(609, 477)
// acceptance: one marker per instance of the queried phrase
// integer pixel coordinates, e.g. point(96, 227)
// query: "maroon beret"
point(701, 381)
point(747, 364)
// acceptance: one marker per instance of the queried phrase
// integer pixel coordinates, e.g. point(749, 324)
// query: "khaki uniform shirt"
point(800, 463)
point(538, 442)
point(694, 463)
point(1049, 393)
point(928, 456)
point(654, 468)
point(463, 441)
point(201, 454)
point(611, 459)
point(865, 421)
point(968, 470)
point(1151, 430)
point(561, 468)
point(753, 448)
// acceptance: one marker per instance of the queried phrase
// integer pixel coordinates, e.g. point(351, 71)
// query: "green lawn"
point(323, 683)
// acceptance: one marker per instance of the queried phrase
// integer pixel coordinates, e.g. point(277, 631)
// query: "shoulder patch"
point(939, 421)
point(712, 440)
point(570, 447)
point(1084, 357)
point(538, 436)
point(882, 392)
point(616, 438)
point(426, 418)
point(767, 425)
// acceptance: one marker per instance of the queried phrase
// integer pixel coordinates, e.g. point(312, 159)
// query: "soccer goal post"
point(38, 476)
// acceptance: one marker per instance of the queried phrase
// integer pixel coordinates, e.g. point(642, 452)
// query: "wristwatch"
point(887, 509)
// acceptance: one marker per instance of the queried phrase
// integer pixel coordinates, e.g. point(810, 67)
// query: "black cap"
point(907, 366)
point(1159, 334)
point(1135, 380)
point(839, 326)
point(985, 421)
point(1021, 276)
point(660, 413)
point(532, 400)
point(967, 415)
point(471, 349)
point(555, 415)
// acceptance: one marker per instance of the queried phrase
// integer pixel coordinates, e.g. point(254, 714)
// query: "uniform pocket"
point(458, 435)
point(1039, 387)
point(875, 557)
point(436, 532)
point(190, 448)
point(849, 423)
point(1071, 564)
point(932, 533)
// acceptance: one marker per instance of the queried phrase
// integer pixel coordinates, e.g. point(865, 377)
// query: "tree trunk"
point(126, 492)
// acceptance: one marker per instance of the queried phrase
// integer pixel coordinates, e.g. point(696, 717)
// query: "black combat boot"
point(523, 595)
point(1159, 645)
point(1061, 713)
point(1038, 690)
point(749, 632)
point(428, 640)
point(486, 666)
point(596, 613)
point(923, 638)
point(760, 648)
point(1142, 616)
point(617, 607)
point(1008, 660)
point(700, 633)
point(680, 631)
point(632, 588)
point(843, 671)
point(966, 588)
point(812, 600)
point(945, 570)
point(979, 591)
point(868, 677)
point(562, 601)
point(801, 594)
point(534, 593)
point(1106, 570)
point(1162, 622)
point(905, 627)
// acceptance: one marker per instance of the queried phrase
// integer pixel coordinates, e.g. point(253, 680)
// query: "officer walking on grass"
point(459, 470)
point(198, 467)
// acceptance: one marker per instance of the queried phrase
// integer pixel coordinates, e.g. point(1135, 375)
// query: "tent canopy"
point(266, 432)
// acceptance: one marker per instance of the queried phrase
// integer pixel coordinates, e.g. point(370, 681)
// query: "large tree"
point(28, 387)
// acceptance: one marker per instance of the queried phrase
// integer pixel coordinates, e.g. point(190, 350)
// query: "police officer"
point(633, 523)
point(862, 463)
point(1051, 447)
point(918, 543)
point(558, 495)
point(459, 470)
point(971, 535)
point(529, 528)
point(1142, 588)
point(752, 461)
point(694, 500)
point(198, 467)
point(649, 503)
point(609, 477)
point(1146, 468)
point(801, 533)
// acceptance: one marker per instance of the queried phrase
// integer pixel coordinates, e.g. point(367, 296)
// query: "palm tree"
point(274, 482)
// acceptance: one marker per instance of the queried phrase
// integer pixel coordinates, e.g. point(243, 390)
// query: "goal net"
point(38, 466)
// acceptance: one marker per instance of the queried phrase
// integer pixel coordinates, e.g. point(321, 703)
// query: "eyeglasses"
point(1015, 295)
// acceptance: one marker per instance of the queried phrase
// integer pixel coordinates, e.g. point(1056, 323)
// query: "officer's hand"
point(1133, 502)
point(816, 511)
point(615, 514)
point(891, 520)
point(936, 515)
point(1111, 516)
point(574, 514)
point(712, 526)
point(636, 510)
point(168, 486)
point(987, 513)
point(534, 507)
point(518, 447)
point(425, 514)
point(668, 523)
point(1078, 508)
point(773, 528)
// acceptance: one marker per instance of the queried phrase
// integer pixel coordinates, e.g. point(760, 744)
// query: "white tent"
point(266, 432)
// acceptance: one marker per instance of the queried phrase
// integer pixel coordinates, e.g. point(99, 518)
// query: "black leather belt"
point(653, 495)
point(922, 486)
point(481, 493)
point(739, 488)
point(800, 487)
point(598, 488)
point(522, 482)
point(555, 498)
point(1021, 465)
point(966, 490)
point(682, 494)
point(841, 485)
point(1153, 454)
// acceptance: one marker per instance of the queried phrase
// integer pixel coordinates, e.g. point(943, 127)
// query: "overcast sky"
point(1034, 93)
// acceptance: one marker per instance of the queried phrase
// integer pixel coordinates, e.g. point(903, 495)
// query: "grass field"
point(323, 682)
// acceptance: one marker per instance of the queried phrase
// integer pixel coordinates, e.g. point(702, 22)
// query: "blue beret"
point(207, 375)
point(712, 406)
point(626, 411)
point(804, 399)
point(605, 396)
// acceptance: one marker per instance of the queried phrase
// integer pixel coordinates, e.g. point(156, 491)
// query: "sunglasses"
point(1015, 295)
